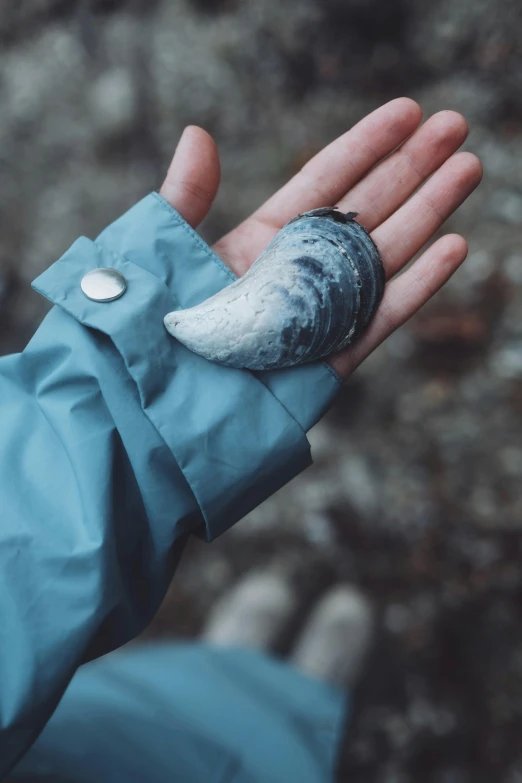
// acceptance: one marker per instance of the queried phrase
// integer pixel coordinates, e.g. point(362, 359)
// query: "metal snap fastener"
point(103, 285)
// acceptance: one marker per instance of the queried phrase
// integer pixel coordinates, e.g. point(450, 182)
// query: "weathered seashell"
point(311, 292)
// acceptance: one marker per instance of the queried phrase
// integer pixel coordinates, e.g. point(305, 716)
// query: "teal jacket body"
point(116, 444)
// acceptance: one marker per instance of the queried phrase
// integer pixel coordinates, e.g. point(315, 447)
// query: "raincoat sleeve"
point(116, 443)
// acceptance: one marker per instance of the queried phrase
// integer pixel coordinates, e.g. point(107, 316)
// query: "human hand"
point(357, 173)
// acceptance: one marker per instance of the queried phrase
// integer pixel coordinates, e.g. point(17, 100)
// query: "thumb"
point(193, 176)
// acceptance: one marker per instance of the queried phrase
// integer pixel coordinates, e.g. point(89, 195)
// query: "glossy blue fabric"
point(117, 443)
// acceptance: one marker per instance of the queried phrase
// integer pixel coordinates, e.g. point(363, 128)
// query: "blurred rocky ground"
point(415, 494)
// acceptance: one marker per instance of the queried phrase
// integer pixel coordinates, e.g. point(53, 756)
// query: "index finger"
point(324, 180)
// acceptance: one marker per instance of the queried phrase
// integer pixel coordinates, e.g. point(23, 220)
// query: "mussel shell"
point(312, 292)
point(349, 280)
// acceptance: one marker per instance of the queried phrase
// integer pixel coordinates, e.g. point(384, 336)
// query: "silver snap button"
point(103, 285)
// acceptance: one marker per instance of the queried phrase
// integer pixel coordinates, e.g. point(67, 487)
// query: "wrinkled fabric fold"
point(231, 459)
point(116, 444)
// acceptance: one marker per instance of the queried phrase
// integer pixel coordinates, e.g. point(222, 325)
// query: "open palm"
point(357, 173)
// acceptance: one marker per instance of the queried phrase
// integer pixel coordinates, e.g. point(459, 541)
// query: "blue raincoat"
point(117, 443)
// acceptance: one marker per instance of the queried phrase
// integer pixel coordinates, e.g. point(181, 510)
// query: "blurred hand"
point(357, 173)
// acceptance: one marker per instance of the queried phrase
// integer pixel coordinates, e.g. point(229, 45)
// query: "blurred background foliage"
point(415, 494)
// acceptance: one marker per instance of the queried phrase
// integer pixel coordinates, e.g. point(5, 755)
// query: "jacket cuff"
point(237, 436)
